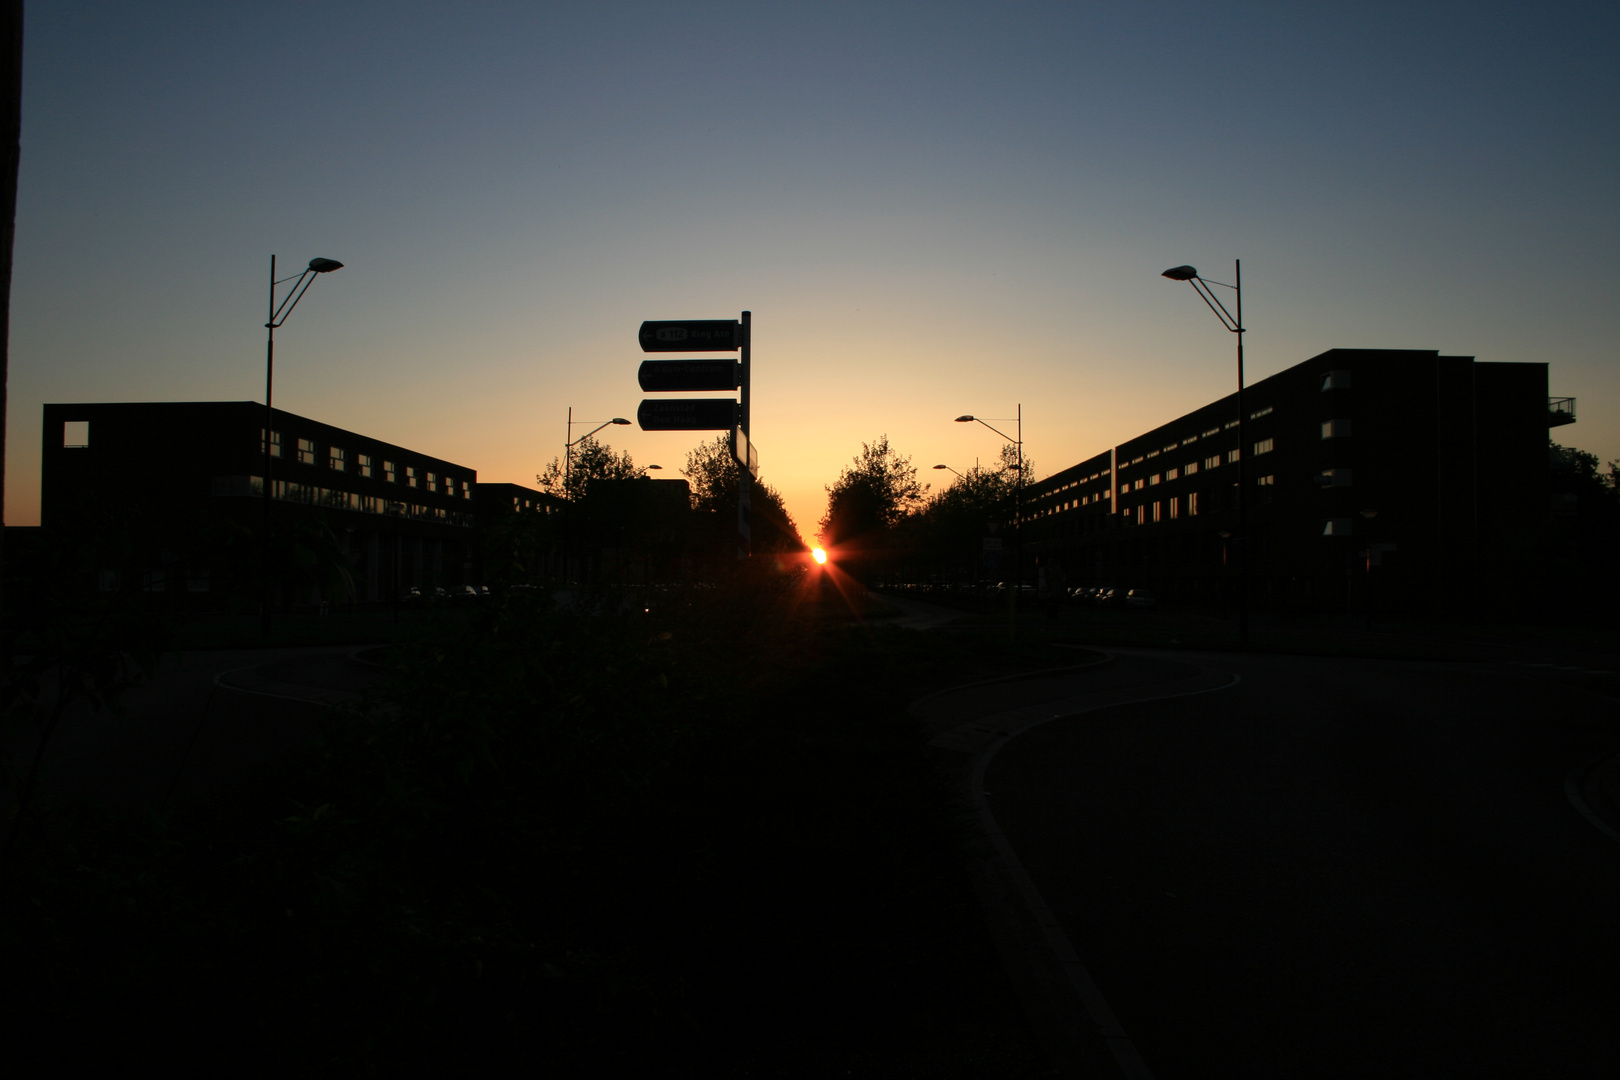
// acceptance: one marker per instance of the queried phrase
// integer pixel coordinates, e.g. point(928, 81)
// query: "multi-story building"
point(1427, 472)
point(172, 493)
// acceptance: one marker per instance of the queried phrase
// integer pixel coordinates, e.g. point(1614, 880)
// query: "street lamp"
point(1018, 499)
point(958, 475)
point(1234, 323)
point(568, 447)
point(278, 315)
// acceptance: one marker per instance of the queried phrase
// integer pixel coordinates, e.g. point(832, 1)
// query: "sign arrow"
point(689, 335)
point(687, 414)
point(717, 374)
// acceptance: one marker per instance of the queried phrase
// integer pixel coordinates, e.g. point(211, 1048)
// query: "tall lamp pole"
point(568, 472)
point(1234, 323)
point(278, 315)
point(568, 447)
point(1018, 501)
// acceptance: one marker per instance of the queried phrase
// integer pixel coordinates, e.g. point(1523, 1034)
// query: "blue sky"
point(930, 209)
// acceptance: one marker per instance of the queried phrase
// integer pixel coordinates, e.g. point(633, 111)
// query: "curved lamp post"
point(1018, 503)
point(568, 447)
point(958, 475)
point(278, 315)
point(1234, 323)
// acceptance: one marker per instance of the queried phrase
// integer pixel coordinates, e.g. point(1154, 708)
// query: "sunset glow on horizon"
point(930, 210)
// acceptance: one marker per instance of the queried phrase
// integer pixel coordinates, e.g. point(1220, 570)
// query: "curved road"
point(1333, 868)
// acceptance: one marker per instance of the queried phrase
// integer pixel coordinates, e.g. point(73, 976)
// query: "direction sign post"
point(662, 375)
point(704, 414)
point(690, 335)
point(687, 414)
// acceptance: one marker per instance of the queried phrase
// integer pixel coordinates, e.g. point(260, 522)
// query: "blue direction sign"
point(717, 374)
point(689, 335)
point(687, 414)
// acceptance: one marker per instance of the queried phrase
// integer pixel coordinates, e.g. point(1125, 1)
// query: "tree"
point(950, 528)
point(870, 500)
point(590, 460)
point(713, 475)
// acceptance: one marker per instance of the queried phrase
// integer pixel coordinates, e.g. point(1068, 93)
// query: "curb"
point(1594, 791)
point(1069, 1013)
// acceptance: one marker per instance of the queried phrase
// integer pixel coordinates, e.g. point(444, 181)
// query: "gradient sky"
point(931, 209)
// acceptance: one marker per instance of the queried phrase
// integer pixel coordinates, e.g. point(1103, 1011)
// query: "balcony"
point(1560, 411)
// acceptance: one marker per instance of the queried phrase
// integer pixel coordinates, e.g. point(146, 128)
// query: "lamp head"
point(618, 420)
point(655, 466)
point(941, 466)
point(324, 266)
point(1180, 273)
point(964, 419)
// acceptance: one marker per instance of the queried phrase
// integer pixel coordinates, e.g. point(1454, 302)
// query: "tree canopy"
point(871, 497)
point(590, 461)
point(714, 477)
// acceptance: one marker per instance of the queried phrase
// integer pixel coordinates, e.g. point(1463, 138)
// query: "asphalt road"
point(1335, 868)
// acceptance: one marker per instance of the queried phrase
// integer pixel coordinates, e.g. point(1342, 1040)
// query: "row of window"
point(390, 472)
point(337, 499)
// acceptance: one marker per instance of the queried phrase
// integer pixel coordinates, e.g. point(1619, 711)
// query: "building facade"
point(1420, 474)
point(171, 493)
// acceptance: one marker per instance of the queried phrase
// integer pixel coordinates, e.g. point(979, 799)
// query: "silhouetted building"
point(1429, 472)
point(171, 495)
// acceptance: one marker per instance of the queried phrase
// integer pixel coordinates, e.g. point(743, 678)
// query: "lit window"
point(1258, 413)
point(1175, 509)
point(1154, 479)
point(1212, 462)
point(76, 434)
point(1232, 455)
point(1336, 527)
point(1265, 481)
point(1336, 380)
point(1212, 431)
point(1192, 467)
point(389, 475)
point(275, 443)
point(1157, 507)
point(1229, 424)
point(1189, 439)
point(410, 476)
point(1264, 446)
point(466, 489)
point(335, 458)
point(1336, 429)
point(1136, 461)
point(363, 463)
point(306, 451)
point(1153, 453)
point(432, 482)
point(1172, 474)
point(1141, 512)
point(1192, 504)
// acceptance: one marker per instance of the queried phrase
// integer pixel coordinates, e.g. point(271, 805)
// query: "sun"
point(818, 555)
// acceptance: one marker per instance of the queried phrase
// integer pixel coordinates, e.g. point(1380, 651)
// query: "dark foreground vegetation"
point(699, 841)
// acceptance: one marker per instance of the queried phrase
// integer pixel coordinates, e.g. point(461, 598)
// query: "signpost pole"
point(744, 479)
